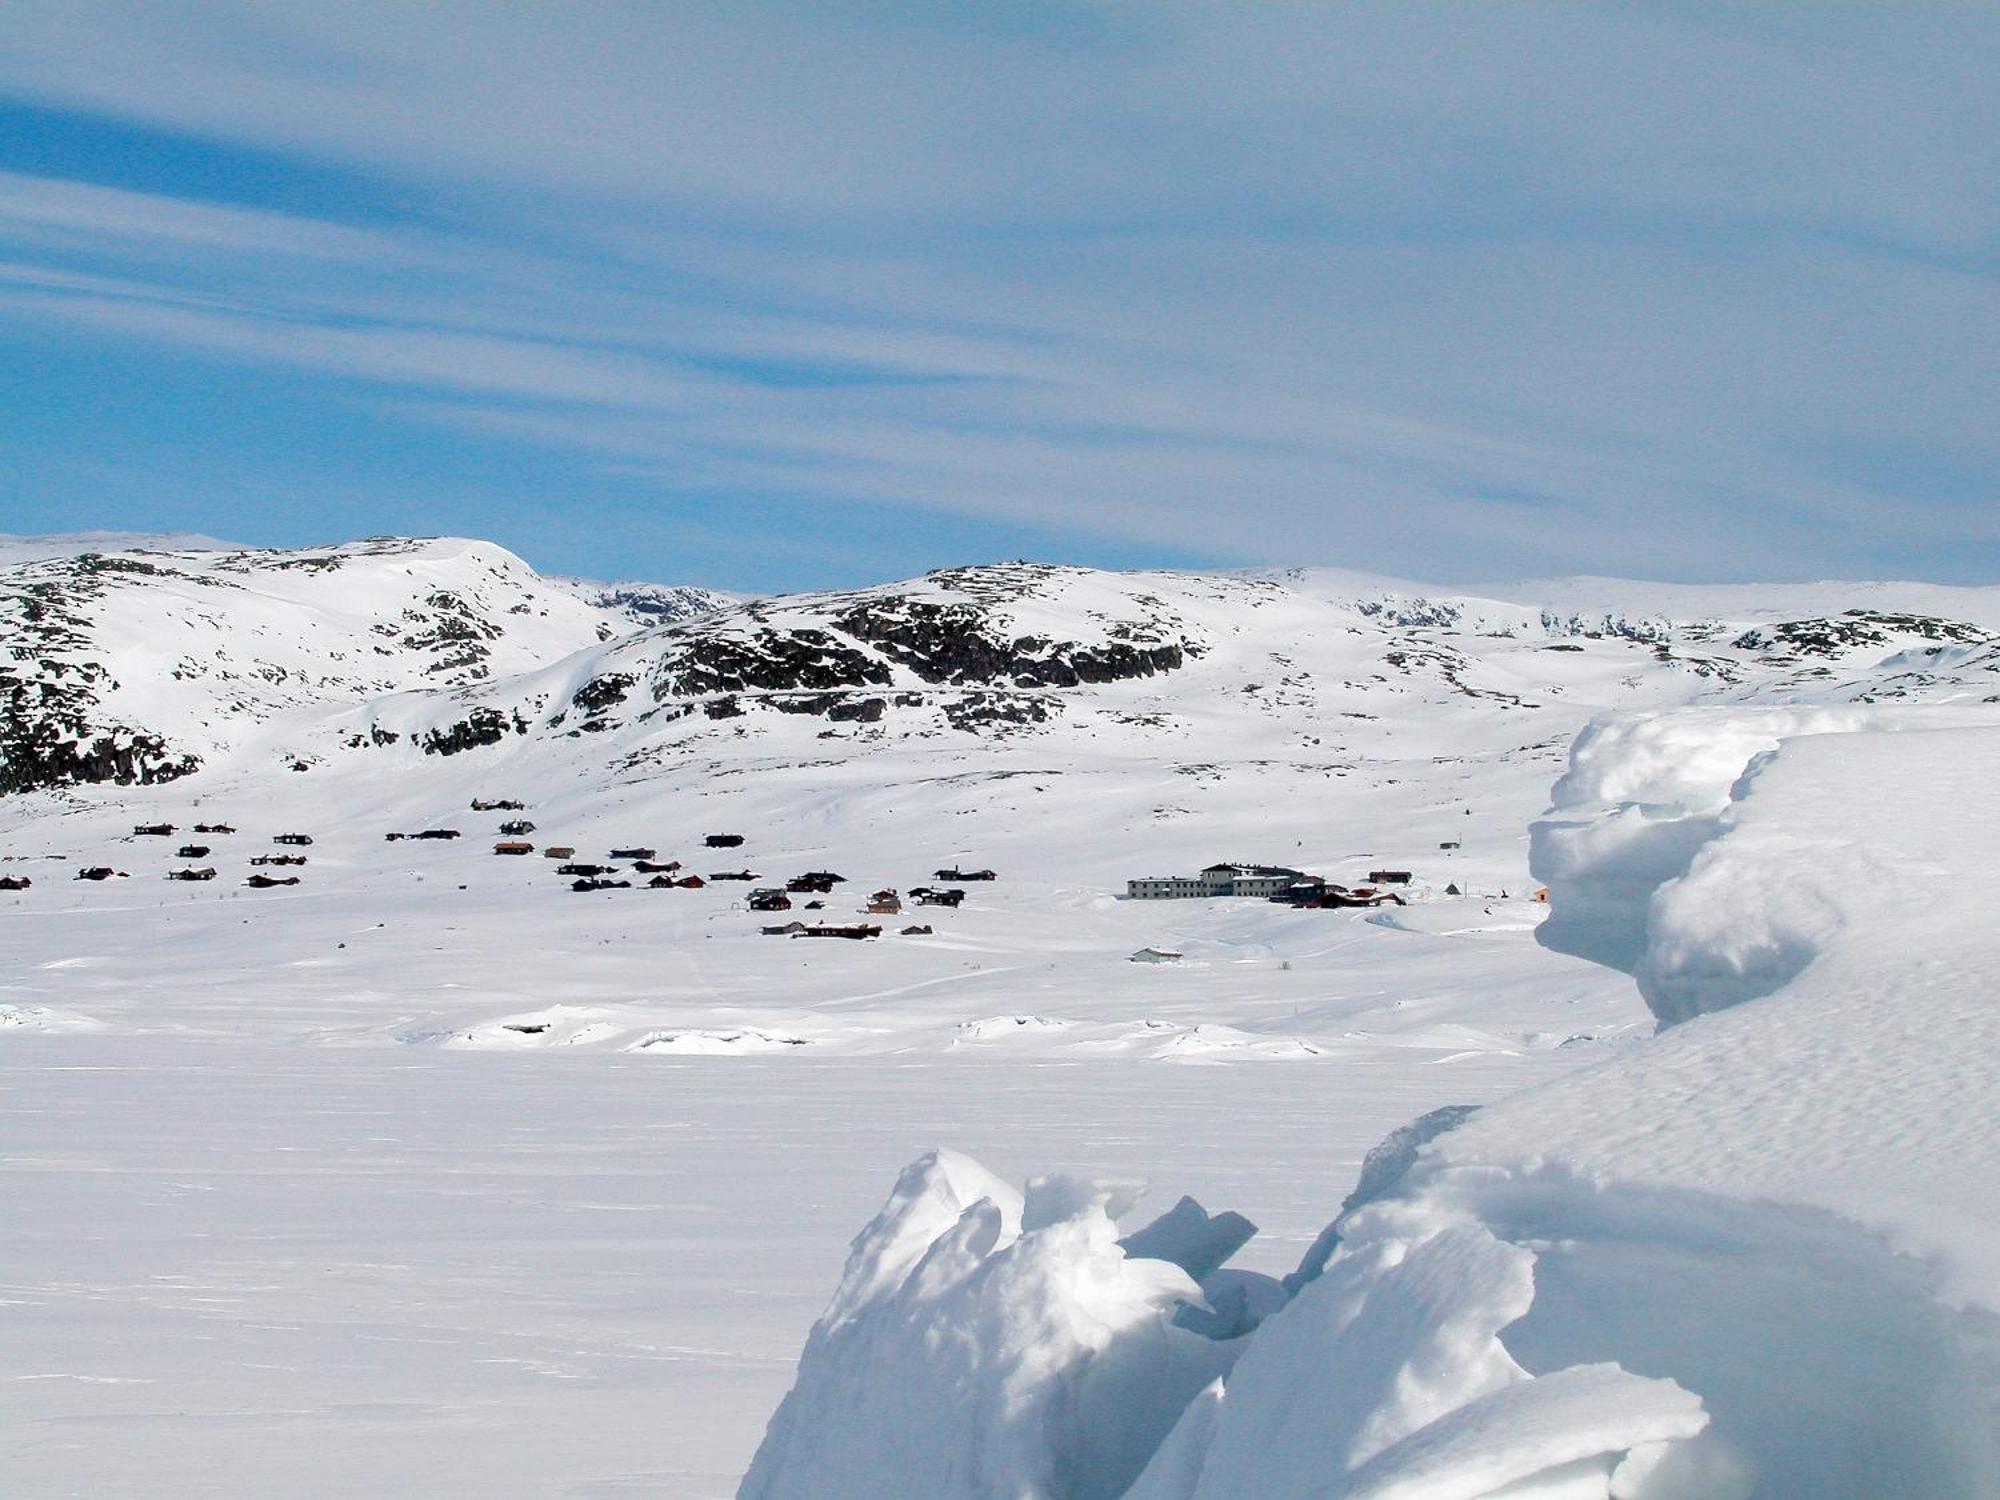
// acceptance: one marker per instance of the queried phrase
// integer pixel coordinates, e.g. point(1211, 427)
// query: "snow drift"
point(1752, 1256)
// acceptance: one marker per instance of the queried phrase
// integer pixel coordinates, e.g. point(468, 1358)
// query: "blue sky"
point(786, 295)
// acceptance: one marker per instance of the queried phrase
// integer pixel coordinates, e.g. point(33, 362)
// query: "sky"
point(789, 295)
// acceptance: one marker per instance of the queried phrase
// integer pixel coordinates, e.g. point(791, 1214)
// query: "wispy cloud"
point(1439, 290)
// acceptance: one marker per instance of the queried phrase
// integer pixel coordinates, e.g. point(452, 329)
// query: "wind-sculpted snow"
point(986, 1344)
point(1624, 851)
point(1753, 1256)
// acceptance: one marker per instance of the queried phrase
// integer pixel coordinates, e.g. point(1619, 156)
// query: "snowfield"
point(431, 1175)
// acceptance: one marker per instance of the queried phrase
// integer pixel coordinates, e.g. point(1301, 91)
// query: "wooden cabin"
point(770, 900)
point(192, 851)
point(586, 869)
point(278, 859)
point(430, 833)
point(922, 930)
point(854, 930)
point(513, 846)
point(821, 881)
point(213, 828)
point(504, 804)
point(965, 875)
point(787, 929)
point(735, 875)
point(518, 828)
point(885, 904)
point(98, 872)
point(637, 851)
point(153, 831)
point(15, 882)
point(300, 838)
point(724, 840)
point(204, 873)
point(600, 885)
point(1388, 877)
point(930, 896)
point(690, 882)
point(647, 867)
point(265, 882)
point(558, 851)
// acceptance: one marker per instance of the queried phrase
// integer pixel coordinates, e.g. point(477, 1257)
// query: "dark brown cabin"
point(691, 882)
point(855, 930)
point(430, 833)
point(15, 882)
point(513, 846)
point(1388, 877)
point(213, 828)
point(600, 885)
point(637, 851)
point(192, 851)
point(518, 828)
point(724, 840)
point(558, 851)
point(297, 838)
point(647, 867)
point(98, 872)
point(586, 870)
point(965, 875)
point(202, 874)
point(153, 830)
point(266, 882)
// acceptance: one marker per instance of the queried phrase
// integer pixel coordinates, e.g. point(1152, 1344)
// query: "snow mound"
point(1210, 1042)
point(986, 1343)
point(555, 1026)
point(999, 1028)
point(1645, 794)
point(700, 1041)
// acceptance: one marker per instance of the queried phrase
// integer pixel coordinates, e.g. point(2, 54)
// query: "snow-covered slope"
point(140, 663)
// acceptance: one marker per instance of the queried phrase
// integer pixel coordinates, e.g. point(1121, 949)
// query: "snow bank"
point(986, 1344)
point(1643, 797)
point(1753, 1255)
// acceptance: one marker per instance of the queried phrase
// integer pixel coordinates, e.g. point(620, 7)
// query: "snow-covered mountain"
point(433, 1132)
point(141, 665)
point(140, 659)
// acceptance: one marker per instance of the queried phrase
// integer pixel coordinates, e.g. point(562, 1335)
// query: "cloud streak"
point(1446, 292)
